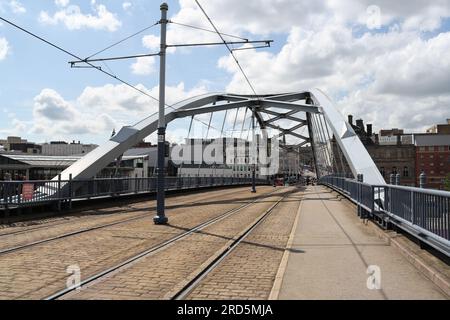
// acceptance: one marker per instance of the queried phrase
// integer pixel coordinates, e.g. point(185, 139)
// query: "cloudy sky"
point(385, 61)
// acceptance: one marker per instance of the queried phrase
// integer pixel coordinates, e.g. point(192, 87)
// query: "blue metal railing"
point(19, 194)
point(424, 213)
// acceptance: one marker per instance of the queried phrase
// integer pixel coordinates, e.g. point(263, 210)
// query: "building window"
point(406, 172)
point(394, 170)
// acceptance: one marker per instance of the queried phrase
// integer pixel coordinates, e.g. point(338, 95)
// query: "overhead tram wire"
point(229, 49)
point(88, 63)
point(207, 30)
point(76, 57)
point(124, 39)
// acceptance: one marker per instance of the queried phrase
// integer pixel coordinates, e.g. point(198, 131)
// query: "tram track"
point(188, 288)
point(93, 228)
point(123, 266)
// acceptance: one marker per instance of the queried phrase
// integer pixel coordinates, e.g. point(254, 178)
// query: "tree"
point(447, 182)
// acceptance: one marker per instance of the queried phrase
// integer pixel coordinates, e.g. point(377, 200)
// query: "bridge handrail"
point(424, 213)
point(13, 194)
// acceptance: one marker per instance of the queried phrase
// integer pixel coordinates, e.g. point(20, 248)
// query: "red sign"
point(27, 191)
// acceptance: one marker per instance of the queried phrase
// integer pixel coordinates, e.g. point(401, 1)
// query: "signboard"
point(27, 191)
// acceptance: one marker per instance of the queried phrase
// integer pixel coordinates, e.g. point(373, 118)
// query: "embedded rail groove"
point(73, 233)
point(4, 234)
point(188, 288)
point(155, 248)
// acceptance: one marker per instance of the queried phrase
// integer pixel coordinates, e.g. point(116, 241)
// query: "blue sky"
point(332, 46)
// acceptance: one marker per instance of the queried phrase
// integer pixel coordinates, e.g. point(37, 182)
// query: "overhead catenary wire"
point(76, 57)
point(207, 30)
point(229, 49)
point(88, 63)
point(123, 40)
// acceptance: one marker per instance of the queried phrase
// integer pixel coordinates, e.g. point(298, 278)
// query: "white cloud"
point(151, 42)
point(126, 6)
point(97, 110)
point(143, 66)
point(393, 79)
point(74, 19)
point(265, 17)
point(4, 48)
point(62, 3)
point(17, 7)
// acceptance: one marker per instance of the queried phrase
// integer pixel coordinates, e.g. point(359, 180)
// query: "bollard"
point(422, 180)
point(397, 179)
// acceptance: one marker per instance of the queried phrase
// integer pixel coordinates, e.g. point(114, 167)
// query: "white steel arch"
point(277, 107)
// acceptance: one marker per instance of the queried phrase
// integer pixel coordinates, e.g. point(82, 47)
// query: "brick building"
point(433, 158)
point(392, 151)
point(440, 128)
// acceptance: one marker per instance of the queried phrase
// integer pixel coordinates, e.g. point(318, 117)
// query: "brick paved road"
point(39, 271)
point(161, 275)
point(249, 271)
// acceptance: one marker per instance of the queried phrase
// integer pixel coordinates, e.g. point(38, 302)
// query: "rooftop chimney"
point(369, 129)
point(350, 119)
point(360, 124)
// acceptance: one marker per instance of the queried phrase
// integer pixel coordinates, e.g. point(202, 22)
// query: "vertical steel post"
point(70, 191)
point(59, 193)
point(160, 217)
point(422, 180)
point(360, 179)
point(254, 150)
point(392, 179)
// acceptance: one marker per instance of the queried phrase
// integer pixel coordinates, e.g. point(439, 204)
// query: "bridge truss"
point(336, 147)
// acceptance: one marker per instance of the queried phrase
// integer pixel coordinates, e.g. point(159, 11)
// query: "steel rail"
point(188, 288)
point(154, 248)
point(73, 233)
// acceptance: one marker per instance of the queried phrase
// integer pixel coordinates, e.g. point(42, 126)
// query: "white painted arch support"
point(355, 153)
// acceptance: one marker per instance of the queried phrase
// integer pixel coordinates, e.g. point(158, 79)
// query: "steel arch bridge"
point(334, 142)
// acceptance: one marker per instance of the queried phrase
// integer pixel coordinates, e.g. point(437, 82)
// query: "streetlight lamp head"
point(164, 6)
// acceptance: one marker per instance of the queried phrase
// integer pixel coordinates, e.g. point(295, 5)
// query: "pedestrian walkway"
point(332, 249)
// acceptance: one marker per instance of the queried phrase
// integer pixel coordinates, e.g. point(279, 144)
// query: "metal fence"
point(18, 194)
point(424, 213)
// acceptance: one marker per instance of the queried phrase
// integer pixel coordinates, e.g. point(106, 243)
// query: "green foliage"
point(447, 182)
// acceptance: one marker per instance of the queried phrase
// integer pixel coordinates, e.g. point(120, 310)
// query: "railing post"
point(59, 192)
point(7, 185)
point(392, 179)
point(360, 179)
point(70, 191)
point(412, 207)
point(422, 180)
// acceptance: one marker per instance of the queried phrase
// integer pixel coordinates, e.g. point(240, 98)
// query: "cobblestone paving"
point(158, 276)
point(250, 270)
point(93, 218)
point(39, 271)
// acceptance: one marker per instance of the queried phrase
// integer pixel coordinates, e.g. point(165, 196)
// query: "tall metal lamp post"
point(160, 217)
